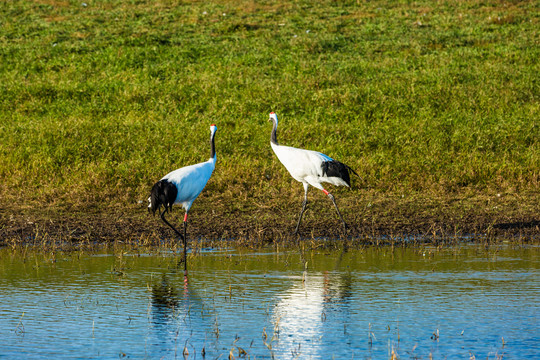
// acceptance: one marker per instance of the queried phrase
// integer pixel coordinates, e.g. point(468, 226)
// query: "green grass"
point(97, 102)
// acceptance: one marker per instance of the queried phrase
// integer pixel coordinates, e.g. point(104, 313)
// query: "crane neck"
point(273, 136)
point(212, 147)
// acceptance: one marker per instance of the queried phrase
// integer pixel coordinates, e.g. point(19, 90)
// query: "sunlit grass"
point(100, 99)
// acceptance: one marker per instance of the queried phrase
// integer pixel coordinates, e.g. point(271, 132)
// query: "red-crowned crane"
point(310, 168)
point(182, 186)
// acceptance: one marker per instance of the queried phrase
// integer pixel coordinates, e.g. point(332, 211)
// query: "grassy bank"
point(99, 99)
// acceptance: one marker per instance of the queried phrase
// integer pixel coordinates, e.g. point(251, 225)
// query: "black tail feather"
point(335, 168)
point(354, 172)
point(163, 193)
point(338, 169)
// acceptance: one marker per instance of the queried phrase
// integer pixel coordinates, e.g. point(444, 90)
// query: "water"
point(451, 303)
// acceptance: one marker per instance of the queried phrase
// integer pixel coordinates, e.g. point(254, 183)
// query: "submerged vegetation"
point(435, 106)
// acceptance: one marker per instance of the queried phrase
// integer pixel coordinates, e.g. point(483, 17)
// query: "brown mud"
point(373, 219)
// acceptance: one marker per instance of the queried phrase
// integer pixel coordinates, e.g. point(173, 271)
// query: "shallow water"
point(450, 303)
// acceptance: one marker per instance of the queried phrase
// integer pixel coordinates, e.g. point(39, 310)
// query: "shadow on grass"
point(517, 225)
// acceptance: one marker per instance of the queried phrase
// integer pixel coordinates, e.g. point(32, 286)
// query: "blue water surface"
point(361, 304)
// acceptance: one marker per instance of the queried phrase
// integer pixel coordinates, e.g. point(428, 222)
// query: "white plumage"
point(310, 168)
point(305, 166)
point(190, 181)
point(183, 186)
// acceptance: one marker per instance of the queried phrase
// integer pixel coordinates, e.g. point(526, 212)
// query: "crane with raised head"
point(182, 186)
point(310, 168)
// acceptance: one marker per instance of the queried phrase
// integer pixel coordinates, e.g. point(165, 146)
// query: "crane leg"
point(185, 244)
point(335, 205)
point(304, 204)
point(168, 223)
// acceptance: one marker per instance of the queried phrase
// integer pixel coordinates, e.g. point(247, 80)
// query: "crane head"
point(213, 128)
point(273, 117)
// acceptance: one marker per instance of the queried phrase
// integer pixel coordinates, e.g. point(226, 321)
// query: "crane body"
point(182, 186)
point(310, 168)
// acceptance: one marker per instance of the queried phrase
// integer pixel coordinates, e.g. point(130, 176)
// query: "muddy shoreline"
point(380, 220)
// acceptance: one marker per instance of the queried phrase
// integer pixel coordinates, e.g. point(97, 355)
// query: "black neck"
point(273, 137)
point(212, 146)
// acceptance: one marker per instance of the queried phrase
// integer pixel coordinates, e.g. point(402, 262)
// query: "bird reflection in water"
point(166, 299)
point(180, 322)
point(313, 313)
